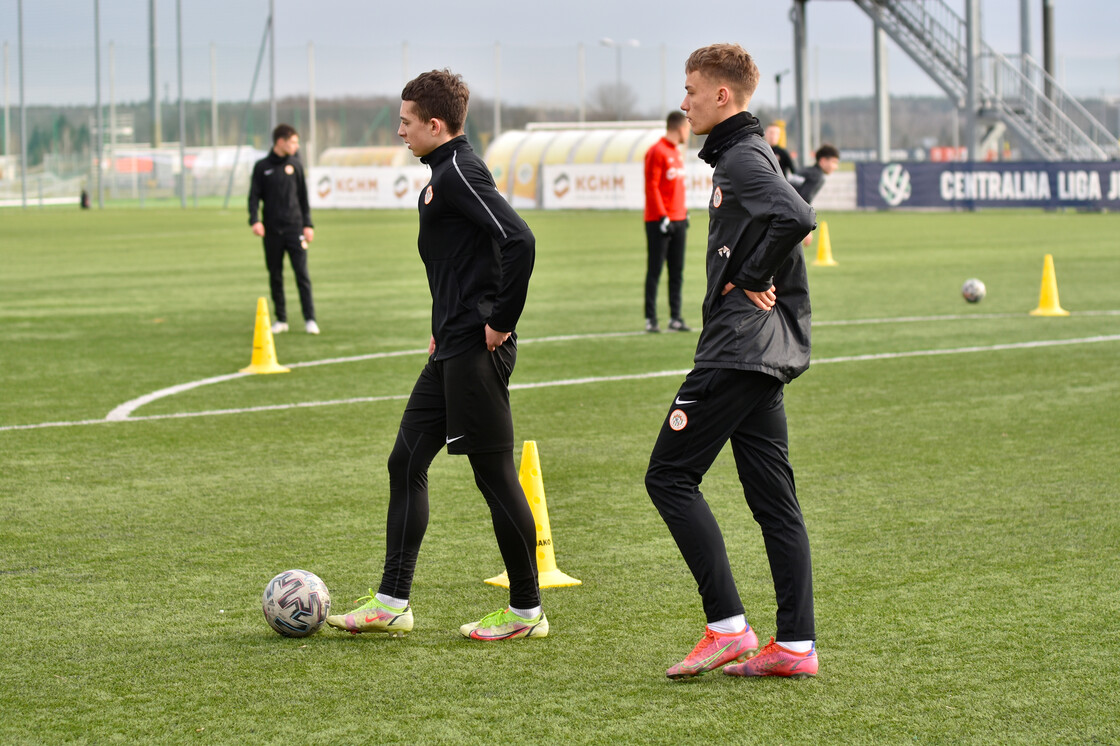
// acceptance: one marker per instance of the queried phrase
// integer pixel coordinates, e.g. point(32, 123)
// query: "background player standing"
point(479, 255)
point(286, 228)
point(810, 180)
point(755, 340)
point(666, 220)
point(785, 160)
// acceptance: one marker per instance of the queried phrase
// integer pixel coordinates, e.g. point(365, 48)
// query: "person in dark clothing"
point(286, 225)
point(479, 255)
point(809, 181)
point(666, 220)
point(755, 339)
point(785, 160)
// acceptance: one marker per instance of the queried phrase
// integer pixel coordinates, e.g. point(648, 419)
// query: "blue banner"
point(970, 185)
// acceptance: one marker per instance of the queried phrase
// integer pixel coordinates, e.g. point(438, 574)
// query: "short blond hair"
point(729, 64)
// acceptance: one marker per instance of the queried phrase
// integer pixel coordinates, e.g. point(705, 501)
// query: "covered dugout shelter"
point(517, 157)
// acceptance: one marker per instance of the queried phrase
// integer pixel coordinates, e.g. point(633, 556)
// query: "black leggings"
point(514, 526)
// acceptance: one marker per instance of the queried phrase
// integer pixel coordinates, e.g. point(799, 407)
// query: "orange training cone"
point(1048, 297)
point(824, 248)
point(548, 574)
point(264, 349)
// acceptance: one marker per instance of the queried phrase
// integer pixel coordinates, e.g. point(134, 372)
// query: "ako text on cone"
point(824, 248)
point(1048, 304)
point(264, 349)
point(548, 574)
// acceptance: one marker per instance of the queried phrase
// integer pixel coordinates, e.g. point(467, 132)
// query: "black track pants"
point(496, 478)
point(662, 249)
point(275, 246)
point(715, 405)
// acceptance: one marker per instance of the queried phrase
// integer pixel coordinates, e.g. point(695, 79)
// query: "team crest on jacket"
point(677, 420)
point(717, 197)
point(723, 251)
point(428, 195)
point(289, 169)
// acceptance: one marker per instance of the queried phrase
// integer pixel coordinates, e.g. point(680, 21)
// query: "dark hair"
point(439, 94)
point(827, 151)
point(283, 132)
point(726, 63)
point(674, 120)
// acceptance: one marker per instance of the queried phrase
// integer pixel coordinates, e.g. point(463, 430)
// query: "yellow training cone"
point(548, 574)
point(1048, 297)
point(824, 248)
point(264, 349)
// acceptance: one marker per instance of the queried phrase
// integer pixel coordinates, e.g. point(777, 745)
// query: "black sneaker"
point(678, 325)
point(651, 326)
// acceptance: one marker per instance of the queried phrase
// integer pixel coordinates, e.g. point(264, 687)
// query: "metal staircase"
point(1013, 90)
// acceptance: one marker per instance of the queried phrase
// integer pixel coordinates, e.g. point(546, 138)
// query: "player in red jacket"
point(666, 220)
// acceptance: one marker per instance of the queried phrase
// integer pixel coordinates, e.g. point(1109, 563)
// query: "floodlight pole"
point(248, 108)
point(581, 74)
point(153, 74)
point(182, 108)
point(882, 94)
point(497, 89)
point(214, 100)
point(800, 87)
point(22, 116)
point(113, 117)
point(312, 135)
point(100, 141)
point(7, 105)
point(272, 65)
point(972, 99)
point(778, 85)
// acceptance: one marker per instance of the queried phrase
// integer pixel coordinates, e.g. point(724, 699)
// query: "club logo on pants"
point(677, 420)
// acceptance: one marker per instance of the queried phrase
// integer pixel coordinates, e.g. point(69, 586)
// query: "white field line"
point(123, 412)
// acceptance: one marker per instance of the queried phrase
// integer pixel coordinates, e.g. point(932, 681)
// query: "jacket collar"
point(727, 133)
point(445, 151)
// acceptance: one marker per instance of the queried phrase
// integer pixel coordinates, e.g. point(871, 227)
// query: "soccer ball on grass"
point(973, 290)
point(295, 603)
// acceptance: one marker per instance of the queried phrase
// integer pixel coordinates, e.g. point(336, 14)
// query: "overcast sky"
point(363, 47)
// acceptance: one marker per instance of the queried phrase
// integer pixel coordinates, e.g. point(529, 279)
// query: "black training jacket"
point(756, 223)
point(812, 179)
point(477, 250)
point(278, 180)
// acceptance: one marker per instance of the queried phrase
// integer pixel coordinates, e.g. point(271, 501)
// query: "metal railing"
point(1049, 120)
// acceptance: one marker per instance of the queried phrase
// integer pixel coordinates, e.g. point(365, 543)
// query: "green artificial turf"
point(963, 507)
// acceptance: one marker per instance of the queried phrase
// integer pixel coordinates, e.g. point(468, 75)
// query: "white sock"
point(732, 625)
point(797, 646)
point(392, 603)
point(526, 613)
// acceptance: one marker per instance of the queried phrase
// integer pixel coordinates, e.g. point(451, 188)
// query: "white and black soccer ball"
point(973, 290)
point(296, 603)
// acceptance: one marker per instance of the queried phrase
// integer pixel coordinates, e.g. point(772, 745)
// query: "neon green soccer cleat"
point(374, 616)
point(505, 625)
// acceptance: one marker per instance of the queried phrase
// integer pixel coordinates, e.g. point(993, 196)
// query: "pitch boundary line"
point(124, 411)
point(533, 385)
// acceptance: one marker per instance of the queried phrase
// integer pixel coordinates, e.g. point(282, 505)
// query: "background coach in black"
point(286, 225)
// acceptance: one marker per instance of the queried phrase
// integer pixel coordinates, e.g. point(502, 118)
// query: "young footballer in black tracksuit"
point(755, 339)
point(479, 255)
point(285, 225)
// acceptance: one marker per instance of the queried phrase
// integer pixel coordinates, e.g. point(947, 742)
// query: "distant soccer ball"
point(973, 290)
point(295, 603)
